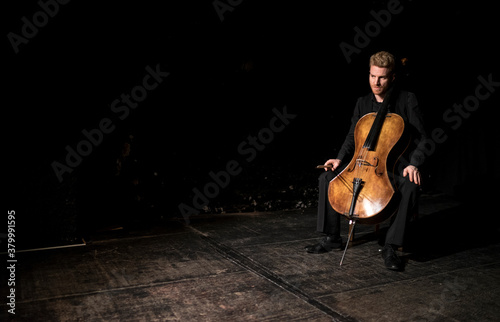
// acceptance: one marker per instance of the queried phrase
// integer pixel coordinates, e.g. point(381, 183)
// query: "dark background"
point(225, 79)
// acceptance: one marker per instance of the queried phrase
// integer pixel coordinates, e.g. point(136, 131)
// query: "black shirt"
point(406, 106)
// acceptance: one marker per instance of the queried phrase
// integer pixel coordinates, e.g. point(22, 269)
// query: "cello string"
point(362, 155)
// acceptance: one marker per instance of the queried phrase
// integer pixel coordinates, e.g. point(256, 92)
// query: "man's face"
point(380, 80)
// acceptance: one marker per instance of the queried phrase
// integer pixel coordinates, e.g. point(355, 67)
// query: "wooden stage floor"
point(253, 267)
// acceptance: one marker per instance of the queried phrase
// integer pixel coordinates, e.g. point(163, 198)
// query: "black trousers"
point(329, 219)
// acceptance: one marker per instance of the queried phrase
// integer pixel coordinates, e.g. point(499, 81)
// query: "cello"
point(363, 191)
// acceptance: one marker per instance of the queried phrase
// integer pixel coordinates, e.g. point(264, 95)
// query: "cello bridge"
point(363, 162)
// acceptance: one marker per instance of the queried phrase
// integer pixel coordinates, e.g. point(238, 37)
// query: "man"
point(381, 79)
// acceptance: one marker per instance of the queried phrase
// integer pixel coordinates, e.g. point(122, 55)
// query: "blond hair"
point(383, 59)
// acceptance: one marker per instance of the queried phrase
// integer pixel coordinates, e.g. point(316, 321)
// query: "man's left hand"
point(412, 173)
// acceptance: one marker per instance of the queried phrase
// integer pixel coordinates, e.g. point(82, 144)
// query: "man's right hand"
point(334, 163)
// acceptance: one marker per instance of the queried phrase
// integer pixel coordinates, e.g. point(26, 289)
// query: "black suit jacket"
point(405, 104)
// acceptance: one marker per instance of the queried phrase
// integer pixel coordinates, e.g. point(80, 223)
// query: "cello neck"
point(371, 139)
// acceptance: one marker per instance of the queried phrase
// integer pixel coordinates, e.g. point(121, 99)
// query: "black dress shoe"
point(391, 260)
point(327, 244)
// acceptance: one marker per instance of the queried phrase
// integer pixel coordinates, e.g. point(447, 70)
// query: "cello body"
point(363, 190)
